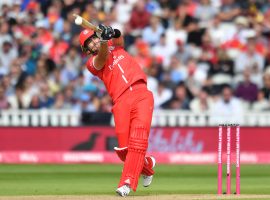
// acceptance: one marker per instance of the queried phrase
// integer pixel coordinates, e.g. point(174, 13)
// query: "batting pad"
point(135, 158)
point(148, 164)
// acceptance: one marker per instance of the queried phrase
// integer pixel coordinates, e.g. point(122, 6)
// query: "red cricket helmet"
point(84, 35)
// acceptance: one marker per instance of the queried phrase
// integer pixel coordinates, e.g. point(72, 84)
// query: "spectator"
point(8, 87)
point(123, 9)
point(152, 33)
point(17, 75)
point(90, 12)
point(60, 103)
point(44, 37)
point(69, 96)
point(161, 95)
point(183, 52)
point(84, 104)
point(29, 54)
point(73, 62)
point(247, 90)
point(103, 6)
point(262, 104)
point(30, 87)
point(205, 12)
point(163, 51)
point(79, 86)
point(4, 32)
point(35, 102)
point(250, 58)
point(142, 53)
point(229, 10)
point(242, 32)
point(53, 20)
point(54, 82)
point(266, 23)
point(196, 76)
point(202, 102)
point(266, 87)
point(66, 35)
point(190, 6)
point(195, 33)
point(179, 100)
point(209, 53)
point(45, 98)
point(105, 104)
point(3, 99)
point(152, 81)
point(219, 32)
point(140, 17)
point(178, 71)
point(58, 49)
point(223, 66)
point(7, 55)
point(176, 34)
point(19, 100)
point(183, 17)
point(265, 7)
point(228, 109)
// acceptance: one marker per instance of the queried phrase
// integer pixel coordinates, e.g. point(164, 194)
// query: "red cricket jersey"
point(119, 72)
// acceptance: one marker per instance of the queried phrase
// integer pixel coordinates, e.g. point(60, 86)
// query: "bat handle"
point(98, 29)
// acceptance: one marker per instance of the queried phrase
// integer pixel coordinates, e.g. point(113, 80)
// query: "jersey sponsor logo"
point(116, 61)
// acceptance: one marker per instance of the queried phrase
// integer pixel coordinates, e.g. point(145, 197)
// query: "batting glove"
point(107, 32)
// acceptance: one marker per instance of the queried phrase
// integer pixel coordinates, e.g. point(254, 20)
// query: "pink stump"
point(238, 160)
point(228, 160)
point(220, 160)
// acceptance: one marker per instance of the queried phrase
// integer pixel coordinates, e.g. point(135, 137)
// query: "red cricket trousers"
point(133, 108)
point(132, 116)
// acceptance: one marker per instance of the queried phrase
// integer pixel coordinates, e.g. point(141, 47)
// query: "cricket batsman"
point(132, 102)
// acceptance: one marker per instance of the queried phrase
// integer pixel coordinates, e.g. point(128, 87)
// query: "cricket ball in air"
point(78, 20)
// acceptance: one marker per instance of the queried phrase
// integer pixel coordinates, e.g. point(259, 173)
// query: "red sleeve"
point(91, 68)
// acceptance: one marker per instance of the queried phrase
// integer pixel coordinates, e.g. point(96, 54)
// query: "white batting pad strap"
point(119, 149)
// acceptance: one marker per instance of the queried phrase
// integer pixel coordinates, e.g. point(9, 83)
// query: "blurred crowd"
point(199, 55)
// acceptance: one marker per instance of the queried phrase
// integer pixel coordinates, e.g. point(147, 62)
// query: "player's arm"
point(107, 34)
point(100, 59)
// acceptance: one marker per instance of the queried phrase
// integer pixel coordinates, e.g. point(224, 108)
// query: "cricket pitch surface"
point(152, 197)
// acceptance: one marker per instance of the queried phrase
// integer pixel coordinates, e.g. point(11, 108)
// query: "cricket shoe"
point(123, 191)
point(147, 180)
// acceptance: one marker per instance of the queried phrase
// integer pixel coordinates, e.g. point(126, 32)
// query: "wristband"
point(103, 41)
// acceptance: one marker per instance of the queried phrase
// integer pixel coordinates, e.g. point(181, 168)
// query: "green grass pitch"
point(97, 179)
